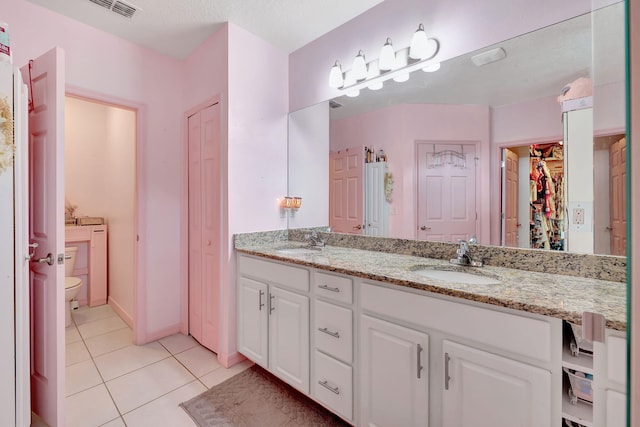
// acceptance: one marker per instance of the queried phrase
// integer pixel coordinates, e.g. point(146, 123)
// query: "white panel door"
point(346, 190)
point(394, 375)
point(618, 179)
point(253, 328)
point(446, 196)
point(46, 228)
point(289, 337)
point(376, 209)
point(616, 409)
point(483, 389)
point(510, 198)
point(205, 240)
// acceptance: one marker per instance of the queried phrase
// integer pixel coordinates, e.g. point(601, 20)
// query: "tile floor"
point(112, 382)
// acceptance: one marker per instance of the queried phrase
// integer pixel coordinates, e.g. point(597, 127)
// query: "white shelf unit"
point(581, 412)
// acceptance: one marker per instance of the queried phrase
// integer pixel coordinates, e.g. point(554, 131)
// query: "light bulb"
point(359, 67)
point(387, 56)
point(336, 79)
point(419, 48)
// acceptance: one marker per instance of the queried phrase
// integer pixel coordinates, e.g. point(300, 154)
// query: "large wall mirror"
point(484, 151)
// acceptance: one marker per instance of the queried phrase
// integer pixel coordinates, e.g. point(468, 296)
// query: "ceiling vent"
point(334, 104)
point(117, 6)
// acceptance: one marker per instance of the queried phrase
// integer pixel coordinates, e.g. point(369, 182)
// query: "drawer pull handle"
point(271, 307)
point(326, 385)
point(446, 371)
point(260, 303)
point(328, 332)
point(329, 288)
point(419, 363)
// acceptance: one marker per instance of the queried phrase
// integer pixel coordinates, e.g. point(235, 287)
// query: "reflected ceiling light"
point(350, 81)
point(336, 79)
point(401, 62)
point(359, 67)
point(387, 56)
point(489, 56)
point(419, 44)
point(431, 68)
point(374, 72)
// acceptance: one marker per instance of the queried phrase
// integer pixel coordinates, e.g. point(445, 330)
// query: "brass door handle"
point(358, 227)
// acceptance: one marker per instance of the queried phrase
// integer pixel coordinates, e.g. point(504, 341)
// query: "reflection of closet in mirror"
point(357, 200)
point(533, 196)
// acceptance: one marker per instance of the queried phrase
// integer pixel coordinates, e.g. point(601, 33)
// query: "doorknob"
point(48, 260)
point(358, 227)
point(609, 228)
point(425, 228)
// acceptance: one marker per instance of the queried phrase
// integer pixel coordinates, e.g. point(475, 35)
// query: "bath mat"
point(255, 398)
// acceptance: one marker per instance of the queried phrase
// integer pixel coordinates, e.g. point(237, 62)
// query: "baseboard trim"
point(128, 319)
point(228, 360)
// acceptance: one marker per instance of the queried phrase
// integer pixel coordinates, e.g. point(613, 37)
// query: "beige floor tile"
point(72, 335)
point(76, 352)
point(198, 360)
point(81, 376)
point(92, 407)
point(89, 314)
point(101, 326)
point(144, 385)
point(178, 343)
point(165, 410)
point(111, 341)
point(128, 359)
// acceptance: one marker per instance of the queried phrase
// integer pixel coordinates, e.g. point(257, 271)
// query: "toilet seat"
point(72, 282)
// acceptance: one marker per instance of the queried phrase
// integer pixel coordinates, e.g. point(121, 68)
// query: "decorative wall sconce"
point(391, 64)
point(290, 204)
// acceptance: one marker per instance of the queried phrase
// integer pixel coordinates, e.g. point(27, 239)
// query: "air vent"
point(104, 3)
point(334, 104)
point(123, 9)
point(117, 6)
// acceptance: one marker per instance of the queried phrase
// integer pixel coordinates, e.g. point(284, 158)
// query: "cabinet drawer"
point(275, 273)
point(334, 330)
point(333, 385)
point(334, 287)
point(509, 332)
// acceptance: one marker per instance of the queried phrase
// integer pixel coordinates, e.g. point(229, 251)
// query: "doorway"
point(100, 181)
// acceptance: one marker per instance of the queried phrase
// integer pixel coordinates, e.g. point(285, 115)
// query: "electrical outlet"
point(578, 216)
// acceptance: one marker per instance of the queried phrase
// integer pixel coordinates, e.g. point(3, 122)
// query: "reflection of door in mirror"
point(446, 193)
point(510, 200)
point(346, 190)
point(610, 194)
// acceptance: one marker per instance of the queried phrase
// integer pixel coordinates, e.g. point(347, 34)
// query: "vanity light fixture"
point(359, 67)
point(396, 65)
point(336, 78)
point(387, 56)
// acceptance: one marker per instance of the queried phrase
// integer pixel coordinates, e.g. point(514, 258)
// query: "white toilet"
point(71, 284)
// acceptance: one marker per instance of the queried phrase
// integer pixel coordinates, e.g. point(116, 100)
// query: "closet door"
point(204, 225)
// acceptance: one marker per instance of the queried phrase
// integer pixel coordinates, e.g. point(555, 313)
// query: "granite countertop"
point(560, 296)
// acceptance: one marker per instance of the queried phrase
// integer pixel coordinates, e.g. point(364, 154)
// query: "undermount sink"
point(456, 275)
point(294, 251)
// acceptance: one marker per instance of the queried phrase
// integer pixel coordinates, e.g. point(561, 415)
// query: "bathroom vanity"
point(91, 263)
point(371, 337)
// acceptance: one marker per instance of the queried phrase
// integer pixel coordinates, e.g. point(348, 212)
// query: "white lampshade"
point(387, 56)
point(353, 93)
point(401, 78)
point(431, 68)
point(374, 70)
point(359, 67)
point(419, 44)
point(336, 79)
point(376, 86)
point(401, 62)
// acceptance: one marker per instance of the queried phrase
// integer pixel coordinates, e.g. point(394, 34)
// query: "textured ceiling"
point(177, 27)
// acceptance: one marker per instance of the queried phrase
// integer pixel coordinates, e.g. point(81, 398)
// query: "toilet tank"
point(70, 263)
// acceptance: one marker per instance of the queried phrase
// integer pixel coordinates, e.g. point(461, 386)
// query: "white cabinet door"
point(253, 331)
point(483, 389)
point(616, 409)
point(394, 373)
point(289, 337)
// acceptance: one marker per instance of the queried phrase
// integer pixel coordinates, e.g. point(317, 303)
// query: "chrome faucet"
point(315, 240)
point(463, 257)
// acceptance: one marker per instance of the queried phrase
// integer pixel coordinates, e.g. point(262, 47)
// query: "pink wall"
point(257, 154)
point(100, 154)
point(114, 68)
point(396, 130)
point(468, 26)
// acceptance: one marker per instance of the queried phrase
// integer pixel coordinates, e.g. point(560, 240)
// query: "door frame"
point(140, 334)
point(184, 209)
